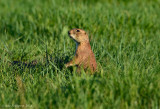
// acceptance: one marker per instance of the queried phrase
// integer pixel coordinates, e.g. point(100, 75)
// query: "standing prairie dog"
point(84, 56)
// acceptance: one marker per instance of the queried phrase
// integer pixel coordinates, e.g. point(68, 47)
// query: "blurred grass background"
point(34, 45)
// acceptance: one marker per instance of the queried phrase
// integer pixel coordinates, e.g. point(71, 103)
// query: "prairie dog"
point(84, 56)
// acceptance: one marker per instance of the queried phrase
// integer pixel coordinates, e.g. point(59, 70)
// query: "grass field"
point(34, 46)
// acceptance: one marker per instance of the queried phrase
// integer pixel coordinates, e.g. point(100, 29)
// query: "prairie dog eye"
point(77, 30)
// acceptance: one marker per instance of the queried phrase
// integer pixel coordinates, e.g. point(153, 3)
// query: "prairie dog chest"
point(82, 49)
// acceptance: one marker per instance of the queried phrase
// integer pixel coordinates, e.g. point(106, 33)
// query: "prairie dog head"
point(78, 35)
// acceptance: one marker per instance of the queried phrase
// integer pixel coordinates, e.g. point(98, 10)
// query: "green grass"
point(34, 46)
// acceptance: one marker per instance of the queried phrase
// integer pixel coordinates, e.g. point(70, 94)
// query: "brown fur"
point(84, 57)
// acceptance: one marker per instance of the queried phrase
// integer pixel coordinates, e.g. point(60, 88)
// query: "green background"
point(34, 46)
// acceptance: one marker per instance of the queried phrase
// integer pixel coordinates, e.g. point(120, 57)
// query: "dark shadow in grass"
point(20, 66)
point(25, 64)
point(57, 60)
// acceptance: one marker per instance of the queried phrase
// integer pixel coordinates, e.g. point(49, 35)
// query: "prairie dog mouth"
point(72, 36)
